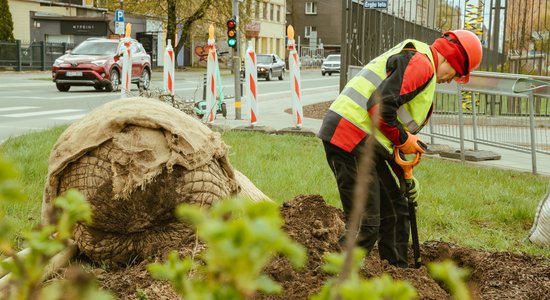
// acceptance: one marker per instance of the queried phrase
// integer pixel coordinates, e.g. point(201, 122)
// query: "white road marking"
point(17, 108)
point(69, 118)
point(41, 113)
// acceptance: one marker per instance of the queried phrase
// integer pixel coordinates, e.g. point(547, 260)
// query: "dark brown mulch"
point(314, 111)
point(317, 226)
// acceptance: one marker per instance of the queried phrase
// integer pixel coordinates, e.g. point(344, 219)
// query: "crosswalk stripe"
point(41, 113)
point(69, 118)
point(17, 108)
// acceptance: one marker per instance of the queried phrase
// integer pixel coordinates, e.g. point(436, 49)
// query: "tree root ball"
point(135, 160)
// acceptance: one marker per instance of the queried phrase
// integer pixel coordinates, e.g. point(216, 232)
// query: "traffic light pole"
point(237, 63)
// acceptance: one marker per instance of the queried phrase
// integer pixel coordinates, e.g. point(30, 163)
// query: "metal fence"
point(515, 33)
point(31, 55)
point(508, 111)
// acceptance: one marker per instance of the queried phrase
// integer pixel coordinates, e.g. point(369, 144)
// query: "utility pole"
point(237, 62)
point(344, 61)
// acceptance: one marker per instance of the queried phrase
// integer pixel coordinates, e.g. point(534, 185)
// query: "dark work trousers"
point(386, 215)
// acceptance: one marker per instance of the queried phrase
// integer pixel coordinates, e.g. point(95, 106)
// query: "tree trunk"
point(171, 26)
point(186, 28)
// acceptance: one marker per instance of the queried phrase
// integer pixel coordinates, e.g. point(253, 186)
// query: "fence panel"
point(515, 33)
point(32, 55)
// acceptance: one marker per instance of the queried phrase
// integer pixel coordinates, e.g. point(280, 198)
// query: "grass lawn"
point(480, 207)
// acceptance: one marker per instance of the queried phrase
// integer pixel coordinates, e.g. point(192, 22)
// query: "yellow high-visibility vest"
point(353, 101)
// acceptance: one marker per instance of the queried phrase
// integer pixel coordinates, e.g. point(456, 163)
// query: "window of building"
point(264, 12)
point(308, 30)
point(311, 8)
point(271, 11)
point(278, 13)
point(257, 10)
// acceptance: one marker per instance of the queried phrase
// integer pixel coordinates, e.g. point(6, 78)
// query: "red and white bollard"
point(211, 84)
point(295, 80)
point(251, 75)
point(126, 76)
point(169, 69)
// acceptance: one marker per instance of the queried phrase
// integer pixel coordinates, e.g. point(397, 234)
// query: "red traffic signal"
point(231, 24)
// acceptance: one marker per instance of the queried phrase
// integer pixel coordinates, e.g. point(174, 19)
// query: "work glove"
point(412, 145)
point(413, 189)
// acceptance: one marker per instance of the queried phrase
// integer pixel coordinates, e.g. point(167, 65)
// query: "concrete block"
point(263, 129)
point(296, 130)
point(438, 148)
point(472, 155)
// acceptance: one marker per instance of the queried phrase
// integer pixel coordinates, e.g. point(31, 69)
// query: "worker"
point(398, 88)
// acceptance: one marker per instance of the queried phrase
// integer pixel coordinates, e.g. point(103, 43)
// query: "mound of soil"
point(317, 226)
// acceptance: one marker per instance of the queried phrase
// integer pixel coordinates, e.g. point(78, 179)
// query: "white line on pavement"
point(41, 113)
point(17, 108)
point(69, 118)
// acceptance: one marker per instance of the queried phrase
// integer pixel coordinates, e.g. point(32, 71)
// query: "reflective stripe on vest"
point(360, 88)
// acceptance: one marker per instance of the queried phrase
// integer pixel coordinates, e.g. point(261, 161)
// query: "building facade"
point(318, 24)
point(269, 21)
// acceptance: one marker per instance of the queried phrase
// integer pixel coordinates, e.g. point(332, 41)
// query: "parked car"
point(331, 65)
point(97, 62)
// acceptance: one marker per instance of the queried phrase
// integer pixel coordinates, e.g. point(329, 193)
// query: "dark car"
point(269, 66)
point(96, 62)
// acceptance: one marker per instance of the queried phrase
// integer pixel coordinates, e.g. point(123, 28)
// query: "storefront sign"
point(84, 28)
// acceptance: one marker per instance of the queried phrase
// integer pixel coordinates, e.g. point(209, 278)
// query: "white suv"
point(331, 64)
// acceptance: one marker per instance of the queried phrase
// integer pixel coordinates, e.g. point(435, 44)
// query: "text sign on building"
point(83, 28)
point(375, 4)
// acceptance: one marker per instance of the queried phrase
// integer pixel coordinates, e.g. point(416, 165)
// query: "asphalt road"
point(30, 101)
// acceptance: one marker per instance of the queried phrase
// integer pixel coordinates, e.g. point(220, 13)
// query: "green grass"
point(480, 207)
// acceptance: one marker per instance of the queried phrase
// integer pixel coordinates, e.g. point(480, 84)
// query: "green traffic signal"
point(232, 42)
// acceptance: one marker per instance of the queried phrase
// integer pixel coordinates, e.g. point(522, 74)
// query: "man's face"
point(445, 73)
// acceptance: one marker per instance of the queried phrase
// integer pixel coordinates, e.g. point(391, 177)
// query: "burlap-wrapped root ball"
point(135, 160)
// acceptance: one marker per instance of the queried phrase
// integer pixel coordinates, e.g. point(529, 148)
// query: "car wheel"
point(323, 73)
point(98, 88)
point(282, 75)
point(269, 75)
point(145, 79)
point(114, 85)
point(224, 110)
point(62, 87)
point(329, 74)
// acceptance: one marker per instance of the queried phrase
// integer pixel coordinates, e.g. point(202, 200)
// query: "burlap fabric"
point(135, 160)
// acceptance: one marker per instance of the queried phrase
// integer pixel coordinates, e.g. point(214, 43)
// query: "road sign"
point(119, 27)
point(375, 4)
point(119, 15)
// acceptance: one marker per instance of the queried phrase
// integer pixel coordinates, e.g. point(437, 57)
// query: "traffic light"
point(232, 33)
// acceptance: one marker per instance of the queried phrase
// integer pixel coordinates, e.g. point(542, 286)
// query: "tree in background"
point(186, 16)
point(6, 22)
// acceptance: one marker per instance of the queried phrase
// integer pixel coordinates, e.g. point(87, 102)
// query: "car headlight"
point(261, 69)
point(99, 62)
point(57, 62)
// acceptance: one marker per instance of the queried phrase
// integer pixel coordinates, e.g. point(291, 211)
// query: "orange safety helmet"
point(472, 45)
